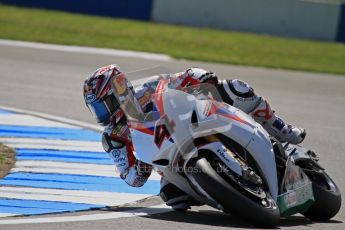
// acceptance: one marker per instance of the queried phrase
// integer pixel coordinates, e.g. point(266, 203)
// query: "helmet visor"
point(102, 110)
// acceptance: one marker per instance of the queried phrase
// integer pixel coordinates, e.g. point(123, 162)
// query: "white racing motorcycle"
point(221, 157)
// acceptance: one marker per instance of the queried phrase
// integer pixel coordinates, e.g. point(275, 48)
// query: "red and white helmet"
point(99, 97)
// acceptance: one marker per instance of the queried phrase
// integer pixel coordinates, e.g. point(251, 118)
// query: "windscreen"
point(157, 81)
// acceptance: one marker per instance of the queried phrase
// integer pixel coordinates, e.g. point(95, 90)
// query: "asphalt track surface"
point(51, 82)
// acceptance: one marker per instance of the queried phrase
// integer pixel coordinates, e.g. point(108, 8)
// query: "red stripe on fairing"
point(212, 110)
point(158, 97)
point(233, 117)
point(219, 108)
point(141, 128)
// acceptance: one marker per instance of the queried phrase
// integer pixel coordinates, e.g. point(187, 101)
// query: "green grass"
point(177, 41)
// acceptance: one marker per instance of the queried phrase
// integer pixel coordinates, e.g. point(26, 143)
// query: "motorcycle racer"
point(116, 138)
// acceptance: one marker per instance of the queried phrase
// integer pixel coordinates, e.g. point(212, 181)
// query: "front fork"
point(232, 160)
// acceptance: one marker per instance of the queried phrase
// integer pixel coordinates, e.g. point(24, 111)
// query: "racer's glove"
point(137, 175)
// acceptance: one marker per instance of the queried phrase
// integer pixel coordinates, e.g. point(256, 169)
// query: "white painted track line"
point(81, 193)
point(63, 171)
point(70, 168)
point(55, 118)
point(55, 164)
point(92, 217)
point(74, 196)
point(6, 215)
point(65, 168)
point(25, 120)
point(87, 50)
point(36, 143)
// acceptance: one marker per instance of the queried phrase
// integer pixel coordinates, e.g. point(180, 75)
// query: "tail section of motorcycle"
point(305, 186)
point(296, 191)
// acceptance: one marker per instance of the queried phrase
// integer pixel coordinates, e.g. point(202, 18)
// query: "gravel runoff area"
point(7, 160)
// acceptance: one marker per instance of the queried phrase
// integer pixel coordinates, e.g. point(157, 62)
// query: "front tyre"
point(231, 199)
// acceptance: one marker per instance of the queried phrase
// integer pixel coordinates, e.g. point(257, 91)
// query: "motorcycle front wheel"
point(264, 214)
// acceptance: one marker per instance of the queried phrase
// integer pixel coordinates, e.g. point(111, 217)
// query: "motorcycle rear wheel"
point(327, 197)
point(231, 199)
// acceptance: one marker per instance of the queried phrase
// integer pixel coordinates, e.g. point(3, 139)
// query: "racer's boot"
point(275, 126)
point(175, 197)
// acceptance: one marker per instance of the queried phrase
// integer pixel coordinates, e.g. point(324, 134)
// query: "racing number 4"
point(162, 132)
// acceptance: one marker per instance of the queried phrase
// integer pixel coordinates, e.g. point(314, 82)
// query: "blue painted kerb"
point(132, 9)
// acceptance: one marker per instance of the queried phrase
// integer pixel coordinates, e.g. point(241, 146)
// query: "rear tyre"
point(327, 197)
point(231, 199)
